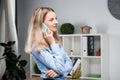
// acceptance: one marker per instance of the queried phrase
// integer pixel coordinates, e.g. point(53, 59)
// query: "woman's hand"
point(49, 37)
point(51, 73)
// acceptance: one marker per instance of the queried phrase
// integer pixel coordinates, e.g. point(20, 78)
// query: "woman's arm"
point(55, 59)
point(67, 61)
point(54, 62)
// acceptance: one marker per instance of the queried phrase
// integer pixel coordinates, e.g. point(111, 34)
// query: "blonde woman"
point(45, 46)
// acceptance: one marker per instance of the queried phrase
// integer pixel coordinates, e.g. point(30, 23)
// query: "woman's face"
point(51, 21)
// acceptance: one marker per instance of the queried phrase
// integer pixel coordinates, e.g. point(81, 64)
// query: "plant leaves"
point(10, 43)
point(19, 56)
point(3, 44)
point(14, 67)
point(22, 74)
point(22, 63)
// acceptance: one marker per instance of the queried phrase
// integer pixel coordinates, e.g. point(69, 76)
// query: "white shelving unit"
point(91, 65)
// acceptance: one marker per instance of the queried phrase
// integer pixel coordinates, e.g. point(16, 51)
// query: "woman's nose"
point(56, 21)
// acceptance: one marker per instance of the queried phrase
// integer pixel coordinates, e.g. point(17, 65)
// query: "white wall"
point(94, 13)
point(114, 57)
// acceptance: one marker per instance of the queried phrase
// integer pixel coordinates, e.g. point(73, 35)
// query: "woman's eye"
point(51, 20)
point(56, 18)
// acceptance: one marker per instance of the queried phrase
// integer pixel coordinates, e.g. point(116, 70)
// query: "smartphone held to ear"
point(45, 28)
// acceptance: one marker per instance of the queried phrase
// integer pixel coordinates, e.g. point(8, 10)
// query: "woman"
point(45, 47)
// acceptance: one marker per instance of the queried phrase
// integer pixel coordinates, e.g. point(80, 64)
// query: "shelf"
point(93, 57)
point(80, 34)
point(69, 35)
point(91, 34)
point(74, 56)
point(90, 78)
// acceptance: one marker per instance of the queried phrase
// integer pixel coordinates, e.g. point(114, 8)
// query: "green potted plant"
point(36, 69)
point(14, 66)
point(67, 28)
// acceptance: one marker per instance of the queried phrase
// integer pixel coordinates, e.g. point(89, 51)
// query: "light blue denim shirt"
point(55, 58)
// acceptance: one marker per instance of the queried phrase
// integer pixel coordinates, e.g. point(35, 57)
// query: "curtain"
point(7, 28)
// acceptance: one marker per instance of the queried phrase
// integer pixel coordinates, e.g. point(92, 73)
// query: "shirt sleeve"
point(67, 61)
point(52, 60)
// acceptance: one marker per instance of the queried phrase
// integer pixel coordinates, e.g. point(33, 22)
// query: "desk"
point(38, 78)
point(34, 78)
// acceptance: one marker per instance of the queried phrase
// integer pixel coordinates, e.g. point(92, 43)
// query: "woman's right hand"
point(51, 73)
point(49, 37)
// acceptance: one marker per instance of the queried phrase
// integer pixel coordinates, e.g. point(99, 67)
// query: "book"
point(76, 63)
point(90, 45)
point(85, 46)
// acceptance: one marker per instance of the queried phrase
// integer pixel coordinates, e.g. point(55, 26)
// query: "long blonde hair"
point(35, 35)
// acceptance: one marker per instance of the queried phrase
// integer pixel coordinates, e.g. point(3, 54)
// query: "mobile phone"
point(45, 28)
